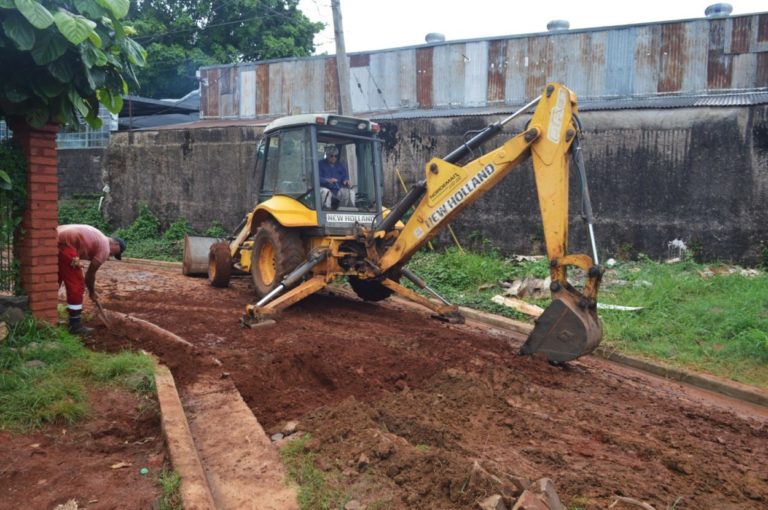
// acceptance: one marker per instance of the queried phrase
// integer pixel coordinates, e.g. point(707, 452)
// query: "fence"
point(12, 197)
point(9, 270)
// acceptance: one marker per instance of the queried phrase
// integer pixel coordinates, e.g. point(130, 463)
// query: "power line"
point(271, 10)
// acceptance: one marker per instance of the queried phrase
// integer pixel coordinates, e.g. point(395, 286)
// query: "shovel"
point(102, 313)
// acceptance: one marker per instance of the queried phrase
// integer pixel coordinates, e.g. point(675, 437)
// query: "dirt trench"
point(407, 412)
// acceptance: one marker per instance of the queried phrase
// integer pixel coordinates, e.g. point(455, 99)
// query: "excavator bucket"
point(565, 331)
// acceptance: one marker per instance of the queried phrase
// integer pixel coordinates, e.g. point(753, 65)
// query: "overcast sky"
point(378, 24)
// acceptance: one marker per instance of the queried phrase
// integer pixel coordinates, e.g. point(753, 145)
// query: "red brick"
point(44, 195)
point(49, 161)
point(43, 178)
point(36, 168)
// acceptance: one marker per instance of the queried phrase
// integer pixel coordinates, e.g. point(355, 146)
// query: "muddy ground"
point(408, 412)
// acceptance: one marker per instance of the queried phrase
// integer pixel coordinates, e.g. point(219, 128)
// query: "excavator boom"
point(569, 327)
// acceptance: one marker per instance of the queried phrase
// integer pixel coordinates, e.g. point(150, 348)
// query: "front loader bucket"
point(195, 255)
point(565, 331)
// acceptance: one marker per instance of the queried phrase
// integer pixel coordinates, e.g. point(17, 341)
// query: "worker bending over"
point(78, 243)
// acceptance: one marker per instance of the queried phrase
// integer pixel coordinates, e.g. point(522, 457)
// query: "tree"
point(61, 58)
point(183, 35)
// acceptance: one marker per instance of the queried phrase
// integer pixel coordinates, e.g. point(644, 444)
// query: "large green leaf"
point(112, 102)
point(48, 48)
point(7, 4)
point(14, 93)
point(95, 39)
point(117, 7)
point(38, 15)
point(78, 102)
point(48, 88)
point(137, 55)
point(5, 180)
point(90, 8)
point(21, 32)
point(37, 117)
point(61, 70)
point(92, 57)
point(75, 28)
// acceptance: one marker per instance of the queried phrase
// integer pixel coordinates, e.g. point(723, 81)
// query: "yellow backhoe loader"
point(299, 238)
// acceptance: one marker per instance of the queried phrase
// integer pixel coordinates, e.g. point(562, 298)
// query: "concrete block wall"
point(696, 174)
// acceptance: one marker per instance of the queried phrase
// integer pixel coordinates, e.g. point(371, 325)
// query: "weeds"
point(315, 493)
point(44, 373)
point(170, 487)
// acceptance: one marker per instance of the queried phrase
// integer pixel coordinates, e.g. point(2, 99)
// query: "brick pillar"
point(36, 249)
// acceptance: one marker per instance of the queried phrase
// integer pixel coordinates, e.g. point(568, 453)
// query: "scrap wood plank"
point(519, 305)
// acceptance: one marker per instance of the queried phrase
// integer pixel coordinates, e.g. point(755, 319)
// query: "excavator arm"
point(569, 327)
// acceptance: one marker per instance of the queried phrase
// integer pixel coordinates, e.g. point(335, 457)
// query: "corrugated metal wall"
point(690, 57)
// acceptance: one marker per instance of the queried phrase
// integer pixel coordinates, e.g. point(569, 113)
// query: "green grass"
point(715, 324)
point(170, 487)
point(45, 372)
point(315, 493)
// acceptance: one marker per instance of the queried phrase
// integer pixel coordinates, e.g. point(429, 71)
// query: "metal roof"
point(747, 98)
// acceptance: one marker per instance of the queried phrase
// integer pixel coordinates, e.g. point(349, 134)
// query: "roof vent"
point(558, 24)
point(434, 37)
point(718, 10)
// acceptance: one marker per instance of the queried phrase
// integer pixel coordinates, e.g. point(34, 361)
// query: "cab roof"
point(327, 120)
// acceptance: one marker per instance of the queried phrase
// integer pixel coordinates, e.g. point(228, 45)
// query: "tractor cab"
point(329, 164)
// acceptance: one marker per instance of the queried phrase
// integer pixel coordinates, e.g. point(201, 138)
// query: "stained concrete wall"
point(698, 174)
point(203, 175)
point(79, 171)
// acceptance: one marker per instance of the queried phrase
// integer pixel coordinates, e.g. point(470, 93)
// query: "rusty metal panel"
point(359, 89)
point(761, 71)
point(577, 60)
point(384, 81)
point(205, 90)
point(247, 92)
point(647, 56)
point(762, 28)
point(447, 74)
point(619, 61)
point(227, 92)
point(276, 85)
point(475, 74)
point(331, 92)
point(744, 71)
point(741, 36)
point(213, 93)
point(517, 71)
point(304, 89)
point(262, 89)
point(540, 63)
point(234, 90)
point(424, 77)
point(497, 69)
point(360, 60)
point(673, 58)
point(719, 70)
point(407, 95)
point(697, 57)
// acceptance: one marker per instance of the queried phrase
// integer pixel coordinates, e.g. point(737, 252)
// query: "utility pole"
point(342, 66)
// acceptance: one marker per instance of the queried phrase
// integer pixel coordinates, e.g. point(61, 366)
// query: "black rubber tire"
point(219, 265)
point(287, 252)
point(369, 290)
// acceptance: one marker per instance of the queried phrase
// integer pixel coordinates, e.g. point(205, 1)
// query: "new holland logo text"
point(349, 218)
point(458, 197)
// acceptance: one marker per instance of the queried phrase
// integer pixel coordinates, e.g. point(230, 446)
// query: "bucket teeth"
point(566, 330)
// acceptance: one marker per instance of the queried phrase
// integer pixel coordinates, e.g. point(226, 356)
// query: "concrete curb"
point(195, 492)
point(730, 389)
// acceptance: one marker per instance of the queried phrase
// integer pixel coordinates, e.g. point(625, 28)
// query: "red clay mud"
point(407, 412)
